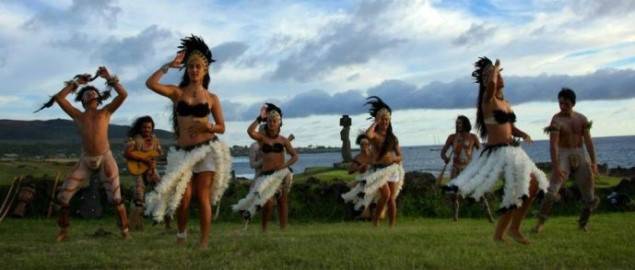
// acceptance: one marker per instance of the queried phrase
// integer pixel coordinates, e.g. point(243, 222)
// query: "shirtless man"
point(568, 131)
point(96, 156)
point(463, 144)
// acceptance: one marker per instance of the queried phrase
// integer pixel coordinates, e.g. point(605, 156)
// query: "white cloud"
point(410, 41)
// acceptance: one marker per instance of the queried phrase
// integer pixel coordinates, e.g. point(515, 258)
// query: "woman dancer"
point(361, 164)
point(200, 163)
point(501, 155)
point(385, 179)
point(275, 175)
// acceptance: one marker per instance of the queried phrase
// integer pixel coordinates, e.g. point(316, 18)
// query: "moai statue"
point(345, 122)
point(90, 199)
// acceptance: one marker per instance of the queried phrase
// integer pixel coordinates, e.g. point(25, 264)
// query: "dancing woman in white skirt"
point(200, 164)
point(501, 155)
point(383, 182)
point(275, 176)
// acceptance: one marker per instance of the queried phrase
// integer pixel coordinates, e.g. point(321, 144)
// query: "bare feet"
point(518, 237)
point(203, 245)
point(125, 234)
point(62, 235)
point(181, 238)
point(538, 228)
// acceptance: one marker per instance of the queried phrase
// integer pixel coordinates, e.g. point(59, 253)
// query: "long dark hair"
point(467, 126)
point(390, 142)
point(189, 45)
point(136, 126)
point(480, 66)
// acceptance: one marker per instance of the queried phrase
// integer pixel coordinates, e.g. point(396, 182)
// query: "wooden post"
point(52, 198)
point(5, 210)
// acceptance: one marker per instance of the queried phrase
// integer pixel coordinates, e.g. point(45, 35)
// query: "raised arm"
point(113, 81)
point(71, 86)
point(491, 75)
point(167, 90)
point(448, 142)
point(252, 130)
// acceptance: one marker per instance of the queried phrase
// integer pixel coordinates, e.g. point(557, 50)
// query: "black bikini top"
point(275, 148)
point(504, 117)
point(198, 110)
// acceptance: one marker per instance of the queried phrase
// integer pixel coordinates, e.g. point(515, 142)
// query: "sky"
point(320, 59)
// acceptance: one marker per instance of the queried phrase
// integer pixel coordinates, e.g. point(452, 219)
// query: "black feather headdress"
point(480, 65)
point(376, 104)
point(195, 45)
point(272, 107)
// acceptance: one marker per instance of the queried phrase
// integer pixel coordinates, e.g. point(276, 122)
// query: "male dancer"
point(463, 144)
point(96, 156)
point(567, 132)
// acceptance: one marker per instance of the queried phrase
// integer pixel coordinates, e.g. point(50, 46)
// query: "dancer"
point(255, 155)
point(276, 175)
point(200, 163)
point(385, 179)
point(362, 161)
point(142, 150)
point(463, 144)
point(501, 155)
point(96, 156)
point(361, 164)
point(568, 131)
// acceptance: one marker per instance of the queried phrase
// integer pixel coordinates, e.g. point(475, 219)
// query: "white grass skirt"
point(512, 162)
point(261, 190)
point(166, 197)
point(366, 190)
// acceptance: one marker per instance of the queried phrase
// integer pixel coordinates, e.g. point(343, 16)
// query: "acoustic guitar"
point(136, 167)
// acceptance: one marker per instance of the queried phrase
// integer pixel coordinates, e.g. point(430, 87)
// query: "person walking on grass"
point(568, 131)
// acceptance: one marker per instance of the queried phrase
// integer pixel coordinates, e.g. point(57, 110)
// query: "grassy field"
point(11, 169)
point(413, 243)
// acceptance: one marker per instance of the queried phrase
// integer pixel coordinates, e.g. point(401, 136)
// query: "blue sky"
point(319, 59)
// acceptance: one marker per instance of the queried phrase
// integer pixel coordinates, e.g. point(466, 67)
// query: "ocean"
point(613, 151)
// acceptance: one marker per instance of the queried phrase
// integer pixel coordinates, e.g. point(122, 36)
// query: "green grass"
point(413, 243)
point(325, 174)
point(11, 169)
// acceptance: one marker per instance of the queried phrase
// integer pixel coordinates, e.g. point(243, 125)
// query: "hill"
point(58, 131)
